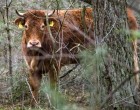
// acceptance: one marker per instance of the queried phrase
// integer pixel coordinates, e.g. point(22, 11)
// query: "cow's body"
point(67, 40)
point(46, 55)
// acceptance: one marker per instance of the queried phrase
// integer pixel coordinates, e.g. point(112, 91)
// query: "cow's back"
point(78, 17)
point(75, 33)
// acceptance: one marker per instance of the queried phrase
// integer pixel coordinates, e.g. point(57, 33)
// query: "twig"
point(132, 103)
point(134, 8)
point(50, 102)
point(119, 101)
point(65, 74)
point(32, 94)
point(113, 26)
point(118, 87)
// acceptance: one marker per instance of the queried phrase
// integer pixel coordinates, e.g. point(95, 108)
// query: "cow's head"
point(34, 24)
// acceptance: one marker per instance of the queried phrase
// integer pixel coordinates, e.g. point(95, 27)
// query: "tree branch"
point(87, 1)
point(118, 87)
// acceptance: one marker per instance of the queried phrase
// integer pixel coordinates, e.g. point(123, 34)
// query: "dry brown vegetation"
point(105, 78)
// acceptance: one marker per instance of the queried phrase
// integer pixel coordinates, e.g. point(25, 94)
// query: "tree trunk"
point(110, 28)
point(110, 24)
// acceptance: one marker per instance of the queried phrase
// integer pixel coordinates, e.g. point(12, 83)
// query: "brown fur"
point(68, 37)
point(134, 27)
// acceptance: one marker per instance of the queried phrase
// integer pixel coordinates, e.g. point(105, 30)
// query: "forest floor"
point(73, 87)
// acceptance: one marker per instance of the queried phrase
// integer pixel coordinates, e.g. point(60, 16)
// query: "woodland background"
point(90, 85)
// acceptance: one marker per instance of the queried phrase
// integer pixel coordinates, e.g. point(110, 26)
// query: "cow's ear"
point(53, 22)
point(20, 22)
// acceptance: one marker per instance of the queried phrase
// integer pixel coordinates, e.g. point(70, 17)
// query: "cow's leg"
point(53, 76)
point(34, 81)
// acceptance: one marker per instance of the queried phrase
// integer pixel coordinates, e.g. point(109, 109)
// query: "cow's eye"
point(42, 27)
point(26, 27)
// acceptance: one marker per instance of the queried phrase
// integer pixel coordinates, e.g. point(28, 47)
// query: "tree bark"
point(110, 25)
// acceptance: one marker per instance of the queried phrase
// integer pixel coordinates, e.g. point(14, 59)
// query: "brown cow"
point(44, 53)
point(50, 44)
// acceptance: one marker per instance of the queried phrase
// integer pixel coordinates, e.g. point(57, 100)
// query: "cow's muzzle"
point(33, 43)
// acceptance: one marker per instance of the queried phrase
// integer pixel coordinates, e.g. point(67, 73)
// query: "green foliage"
point(133, 35)
point(19, 88)
point(93, 59)
point(2, 26)
point(56, 99)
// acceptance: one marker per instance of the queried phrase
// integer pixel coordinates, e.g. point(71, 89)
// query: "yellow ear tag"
point(51, 24)
point(20, 26)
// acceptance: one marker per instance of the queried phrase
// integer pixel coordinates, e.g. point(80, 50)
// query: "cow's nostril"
point(34, 43)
